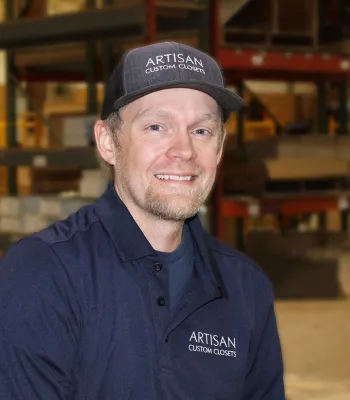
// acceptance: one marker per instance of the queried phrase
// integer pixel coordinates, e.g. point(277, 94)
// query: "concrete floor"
point(315, 339)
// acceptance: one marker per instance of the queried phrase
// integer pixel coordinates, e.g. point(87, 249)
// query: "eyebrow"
point(149, 111)
point(214, 117)
point(141, 114)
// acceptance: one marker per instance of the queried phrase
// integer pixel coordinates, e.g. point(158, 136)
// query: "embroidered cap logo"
point(172, 61)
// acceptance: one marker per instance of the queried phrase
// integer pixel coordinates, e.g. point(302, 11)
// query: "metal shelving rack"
point(93, 39)
point(126, 22)
point(145, 21)
point(313, 63)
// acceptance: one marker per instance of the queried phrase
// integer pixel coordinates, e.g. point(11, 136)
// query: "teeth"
point(174, 177)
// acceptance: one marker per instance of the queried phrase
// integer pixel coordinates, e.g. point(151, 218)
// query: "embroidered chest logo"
point(212, 344)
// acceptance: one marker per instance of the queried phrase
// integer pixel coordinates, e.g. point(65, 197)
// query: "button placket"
point(161, 301)
point(157, 267)
point(159, 291)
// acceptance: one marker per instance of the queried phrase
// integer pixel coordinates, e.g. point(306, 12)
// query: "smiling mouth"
point(178, 178)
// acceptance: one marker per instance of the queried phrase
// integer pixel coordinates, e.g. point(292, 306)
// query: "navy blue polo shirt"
point(84, 315)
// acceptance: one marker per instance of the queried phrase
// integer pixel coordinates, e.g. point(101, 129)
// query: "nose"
point(181, 147)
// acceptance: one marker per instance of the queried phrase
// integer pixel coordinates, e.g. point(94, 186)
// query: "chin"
point(184, 202)
point(175, 214)
point(174, 207)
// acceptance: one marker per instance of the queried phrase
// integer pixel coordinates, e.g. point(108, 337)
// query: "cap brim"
point(228, 100)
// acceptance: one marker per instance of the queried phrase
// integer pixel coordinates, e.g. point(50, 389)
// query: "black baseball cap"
point(165, 65)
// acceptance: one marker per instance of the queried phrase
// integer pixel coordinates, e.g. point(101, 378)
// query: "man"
point(128, 298)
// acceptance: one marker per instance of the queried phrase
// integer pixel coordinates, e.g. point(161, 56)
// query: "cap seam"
point(123, 80)
point(178, 51)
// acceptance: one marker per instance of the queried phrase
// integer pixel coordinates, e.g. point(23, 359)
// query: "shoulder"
point(31, 269)
point(41, 258)
point(65, 230)
point(28, 257)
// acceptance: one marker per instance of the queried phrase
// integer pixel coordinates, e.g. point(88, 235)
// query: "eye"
point(154, 128)
point(202, 132)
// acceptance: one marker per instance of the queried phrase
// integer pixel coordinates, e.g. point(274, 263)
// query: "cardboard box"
point(32, 223)
point(10, 206)
point(50, 207)
point(93, 183)
point(10, 224)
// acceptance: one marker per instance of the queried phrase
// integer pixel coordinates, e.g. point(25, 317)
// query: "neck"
point(163, 235)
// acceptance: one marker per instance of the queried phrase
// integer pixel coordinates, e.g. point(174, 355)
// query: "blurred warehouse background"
point(283, 189)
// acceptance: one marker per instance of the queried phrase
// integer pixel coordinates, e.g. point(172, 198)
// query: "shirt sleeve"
point(39, 324)
point(264, 380)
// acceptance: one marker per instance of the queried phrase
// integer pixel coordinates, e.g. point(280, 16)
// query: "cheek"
point(142, 157)
point(208, 159)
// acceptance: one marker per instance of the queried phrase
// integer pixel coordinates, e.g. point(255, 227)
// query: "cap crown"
point(156, 65)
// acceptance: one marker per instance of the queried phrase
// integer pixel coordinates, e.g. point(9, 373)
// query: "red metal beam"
point(254, 60)
point(293, 206)
point(233, 77)
point(217, 194)
point(33, 74)
point(286, 206)
point(231, 208)
point(215, 27)
point(299, 206)
point(151, 24)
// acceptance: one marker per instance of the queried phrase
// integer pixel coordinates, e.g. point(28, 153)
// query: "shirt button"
point(157, 267)
point(161, 301)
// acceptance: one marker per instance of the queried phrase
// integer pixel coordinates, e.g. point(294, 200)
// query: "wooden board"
point(3, 170)
point(306, 168)
point(48, 55)
point(2, 102)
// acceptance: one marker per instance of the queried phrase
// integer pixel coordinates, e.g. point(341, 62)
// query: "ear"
point(104, 142)
point(221, 147)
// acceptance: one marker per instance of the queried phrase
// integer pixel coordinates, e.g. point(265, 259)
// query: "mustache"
point(180, 167)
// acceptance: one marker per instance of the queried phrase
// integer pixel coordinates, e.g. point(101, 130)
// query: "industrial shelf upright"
point(100, 29)
point(10, 102)
point(140, 20)
point(266, 61)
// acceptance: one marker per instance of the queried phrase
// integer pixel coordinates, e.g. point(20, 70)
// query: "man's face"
point(167, 153)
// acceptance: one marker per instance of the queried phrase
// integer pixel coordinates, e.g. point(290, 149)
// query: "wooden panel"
point(3, 180)
point(254, 14)
point(333, 220)
point(52, 180)
point(295, 15)
point(64, 6)
point(342, 47)
point(49, 55)
point(303, 168)
point(2, 102)
point(229, 8)
point(286, 106)
point(24, 180)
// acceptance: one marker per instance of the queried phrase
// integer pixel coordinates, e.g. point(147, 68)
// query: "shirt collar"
point(126, 235)
point(132, 244)
point(206, 264)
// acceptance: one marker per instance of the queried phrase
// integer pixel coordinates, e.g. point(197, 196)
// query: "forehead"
point(176, 101)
